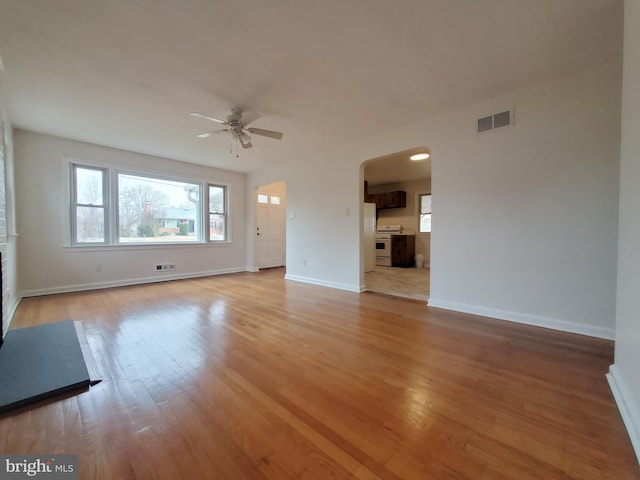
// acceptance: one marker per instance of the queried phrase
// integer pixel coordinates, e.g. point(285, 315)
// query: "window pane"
point(425, 213)
point(89, 183)
point(425, 222)
point(217, 213)
point(263, 198)
point(216, 199)
point(216, 227)
point(275, 200)
point(425, 203)
point(89, 225)
point(154, 210)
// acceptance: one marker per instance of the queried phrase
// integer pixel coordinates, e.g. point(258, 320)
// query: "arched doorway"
point(401, 189)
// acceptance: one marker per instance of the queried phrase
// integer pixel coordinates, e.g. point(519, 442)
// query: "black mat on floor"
point(40, 362)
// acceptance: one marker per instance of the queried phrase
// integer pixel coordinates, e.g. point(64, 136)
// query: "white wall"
point(525, 219)
point(47, 266)
point(624, 375)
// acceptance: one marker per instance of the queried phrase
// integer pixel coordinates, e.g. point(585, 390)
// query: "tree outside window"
point(146, 205)
point(89, 204)
point(116, 208)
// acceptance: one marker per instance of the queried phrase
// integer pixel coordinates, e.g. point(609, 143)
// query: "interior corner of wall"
point(627, 406)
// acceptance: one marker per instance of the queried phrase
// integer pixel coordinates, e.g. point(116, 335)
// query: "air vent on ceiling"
point(497, 120)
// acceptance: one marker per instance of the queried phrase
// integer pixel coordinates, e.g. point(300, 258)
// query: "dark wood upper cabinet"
point(397, 199)
point(377, 198)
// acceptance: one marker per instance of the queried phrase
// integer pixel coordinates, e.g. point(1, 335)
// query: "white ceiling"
point(397, 168)
point(126, 74)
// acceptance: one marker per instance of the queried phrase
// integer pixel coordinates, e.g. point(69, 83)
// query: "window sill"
point(139, 246)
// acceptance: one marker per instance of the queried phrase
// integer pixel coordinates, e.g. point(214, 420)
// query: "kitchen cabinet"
point(379, 199)
point(396, 199)
point(403, 250)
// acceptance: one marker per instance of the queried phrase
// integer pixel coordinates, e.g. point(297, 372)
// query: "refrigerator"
point(369, 236)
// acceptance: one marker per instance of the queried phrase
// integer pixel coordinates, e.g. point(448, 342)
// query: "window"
point(268, 199)
point(217, 213)
point(118, 208)
point(89, 204)
point(425, 213)
point(155, 210)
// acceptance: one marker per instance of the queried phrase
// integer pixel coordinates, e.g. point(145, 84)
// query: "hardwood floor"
point(249, 376)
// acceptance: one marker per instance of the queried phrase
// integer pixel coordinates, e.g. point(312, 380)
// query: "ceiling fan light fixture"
point(419, 156)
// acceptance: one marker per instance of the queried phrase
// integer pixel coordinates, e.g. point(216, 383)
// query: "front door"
point(270, 228)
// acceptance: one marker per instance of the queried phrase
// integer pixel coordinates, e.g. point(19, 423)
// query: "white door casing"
point(270, 228)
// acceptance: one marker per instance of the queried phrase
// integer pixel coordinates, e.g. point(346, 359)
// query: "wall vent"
point(497, 120)
point(163, 267)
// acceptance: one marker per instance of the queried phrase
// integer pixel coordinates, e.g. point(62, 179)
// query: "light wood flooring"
point(249, 376)
point(400, 282)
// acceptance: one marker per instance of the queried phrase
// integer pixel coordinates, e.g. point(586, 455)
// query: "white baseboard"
point(315, 281)
point(12, 307)
point(538, 321)
point(627, 406)
point(126, 282)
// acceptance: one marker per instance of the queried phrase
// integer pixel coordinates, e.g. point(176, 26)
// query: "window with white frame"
point(217, 213)
point(148, 207)
point(89, 211)
point(118, 208)
point(425, 213)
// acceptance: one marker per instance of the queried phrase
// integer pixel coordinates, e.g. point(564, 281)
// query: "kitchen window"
point(424, 220)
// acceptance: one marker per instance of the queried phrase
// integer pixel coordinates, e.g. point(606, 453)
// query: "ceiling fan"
point(236, 126)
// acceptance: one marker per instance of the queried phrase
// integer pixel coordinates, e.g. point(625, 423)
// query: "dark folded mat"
point(40, 362)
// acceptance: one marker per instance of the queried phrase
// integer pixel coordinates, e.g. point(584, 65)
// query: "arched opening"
point(398, 260)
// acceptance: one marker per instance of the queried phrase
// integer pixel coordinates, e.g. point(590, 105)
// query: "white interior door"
point(270, 227)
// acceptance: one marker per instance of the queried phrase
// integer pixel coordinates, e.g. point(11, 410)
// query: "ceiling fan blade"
point(245, 140)
point(248, 117)
point(207, 117)
point(266, 133)
point(213, 132)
